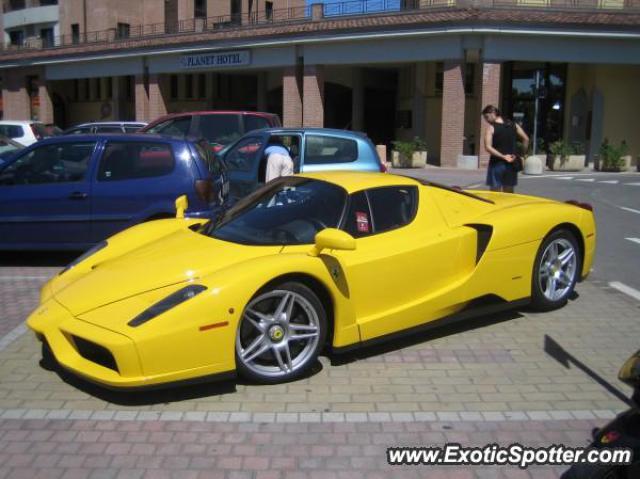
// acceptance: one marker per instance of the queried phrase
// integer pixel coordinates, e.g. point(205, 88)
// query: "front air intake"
point(95, 353)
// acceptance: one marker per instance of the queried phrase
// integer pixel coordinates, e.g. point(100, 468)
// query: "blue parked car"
point(312, 149)
point(70, 192)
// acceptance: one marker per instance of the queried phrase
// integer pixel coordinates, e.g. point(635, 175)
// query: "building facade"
point(396, 69)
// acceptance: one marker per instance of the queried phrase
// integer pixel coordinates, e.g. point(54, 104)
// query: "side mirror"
point(181, 206)
point(332, 238)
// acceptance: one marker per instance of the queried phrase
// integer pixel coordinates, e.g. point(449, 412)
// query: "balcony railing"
point(302, 14)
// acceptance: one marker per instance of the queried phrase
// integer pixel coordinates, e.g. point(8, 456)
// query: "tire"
point(280, 334)
point(555, 271)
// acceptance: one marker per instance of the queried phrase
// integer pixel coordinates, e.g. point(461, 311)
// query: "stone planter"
point(419, 160)
point(570, 163)
point(534, 165)
point(467, 162)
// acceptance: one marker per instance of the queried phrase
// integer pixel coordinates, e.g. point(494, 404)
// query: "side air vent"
point(484, 236)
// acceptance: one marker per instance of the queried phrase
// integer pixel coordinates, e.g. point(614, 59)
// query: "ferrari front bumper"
point(102, 356)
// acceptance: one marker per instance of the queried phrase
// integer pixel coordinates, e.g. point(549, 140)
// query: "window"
point(220, 129)
point(128, 85)
point(392, 207)
point(11, 131)
point(44, 3)
point(17, 4)
point(243, 156)
point(16, 37)
point(75, 33)
point(200, 9)
point(46, 34)
point(173, 79)
point(76, 89)
point(439, 78)
point(175, 127)
point(253, 122)
point(131, 129)
point(290, 210)
point(87, 89)
point(321, 150)
point(127, 161)
point(268, 10)
point(358, 220)
point(188, 86)
point(58, 163)
point(109, 88)
point(202, 85)
point(109, 129)
point(213, 164)
point(123, 30)
point(6, 146)
point(469, 78)
point(98, 89)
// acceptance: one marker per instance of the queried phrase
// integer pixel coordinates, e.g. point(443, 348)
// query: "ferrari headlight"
point(174, 299)
point(85, 255)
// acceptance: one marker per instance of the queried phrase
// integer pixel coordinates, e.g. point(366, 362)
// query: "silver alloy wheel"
point(278, 333)
point(557, 269)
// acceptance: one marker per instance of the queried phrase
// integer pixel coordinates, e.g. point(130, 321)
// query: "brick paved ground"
point(493, 379)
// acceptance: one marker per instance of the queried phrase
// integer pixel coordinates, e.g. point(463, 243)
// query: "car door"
point(402, 272)
point(243, 162)
point(134, 181)
point(45, 195)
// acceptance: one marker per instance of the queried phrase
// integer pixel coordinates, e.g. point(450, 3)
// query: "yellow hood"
point(179, 257)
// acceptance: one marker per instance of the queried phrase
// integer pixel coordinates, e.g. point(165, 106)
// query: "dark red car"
point(219, 128)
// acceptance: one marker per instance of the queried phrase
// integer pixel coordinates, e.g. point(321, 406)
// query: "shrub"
point(611, 155)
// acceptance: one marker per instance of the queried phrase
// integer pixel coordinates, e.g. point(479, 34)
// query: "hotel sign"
point(216, 60)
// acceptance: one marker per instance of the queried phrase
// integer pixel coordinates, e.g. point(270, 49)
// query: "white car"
point(24, 132)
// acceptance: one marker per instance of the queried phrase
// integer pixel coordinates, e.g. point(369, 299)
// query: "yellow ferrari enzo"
point(336, 259)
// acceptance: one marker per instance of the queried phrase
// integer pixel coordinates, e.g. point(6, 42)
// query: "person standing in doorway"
point(500, 142)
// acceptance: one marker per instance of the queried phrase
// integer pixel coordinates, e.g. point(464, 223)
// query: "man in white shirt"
point(279, 162)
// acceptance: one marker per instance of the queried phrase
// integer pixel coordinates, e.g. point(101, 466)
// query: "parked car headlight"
point(174, 299)
point(85, 255)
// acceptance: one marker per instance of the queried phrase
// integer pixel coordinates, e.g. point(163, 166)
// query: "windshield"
point(286, 211)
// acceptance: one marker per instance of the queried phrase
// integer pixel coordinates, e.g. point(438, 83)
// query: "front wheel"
point(280, 334)
point(555, 271)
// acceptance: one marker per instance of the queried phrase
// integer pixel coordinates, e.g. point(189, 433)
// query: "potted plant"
point(533, 164)
point(612, 157)
point(566, 157)
point(409, 154)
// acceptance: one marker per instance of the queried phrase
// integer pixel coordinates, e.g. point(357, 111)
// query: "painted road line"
point(628, 290)
point(634, 240)
point(589, 180)
point(610, 182)
point(632, 184)
point(562, 177)
point(631, 210)
point(11, 336)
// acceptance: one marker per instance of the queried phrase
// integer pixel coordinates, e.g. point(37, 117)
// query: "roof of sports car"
point(355, 181)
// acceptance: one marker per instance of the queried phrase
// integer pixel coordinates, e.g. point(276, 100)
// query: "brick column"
point(15, 98)
point(46, 104)
point(313, 96)
point(357, 100)
point(158, 96)
point(291, 98)
point(453, 100)
point(141, 99)
point(489, 95)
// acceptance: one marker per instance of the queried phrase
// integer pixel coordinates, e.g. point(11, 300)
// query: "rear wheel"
point(555, 270)
point(280, 333)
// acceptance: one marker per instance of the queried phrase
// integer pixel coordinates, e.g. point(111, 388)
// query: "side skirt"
point(467, 313)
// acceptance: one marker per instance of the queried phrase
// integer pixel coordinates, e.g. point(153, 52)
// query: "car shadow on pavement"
point(38, 258)
point(160, 395)
point(412, 339)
